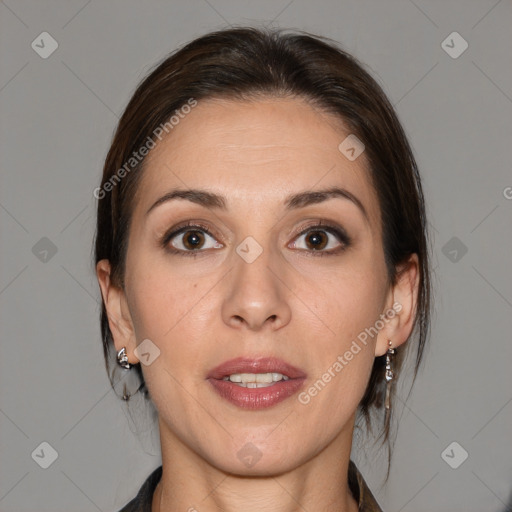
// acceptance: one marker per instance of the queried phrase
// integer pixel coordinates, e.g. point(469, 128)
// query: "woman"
point(262, 254)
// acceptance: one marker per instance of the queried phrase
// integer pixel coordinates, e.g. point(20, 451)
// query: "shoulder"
point(142, 502)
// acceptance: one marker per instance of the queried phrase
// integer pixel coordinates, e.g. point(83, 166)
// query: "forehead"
point(263, 149)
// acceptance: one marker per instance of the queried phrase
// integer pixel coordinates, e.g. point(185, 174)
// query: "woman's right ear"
point(120, 324)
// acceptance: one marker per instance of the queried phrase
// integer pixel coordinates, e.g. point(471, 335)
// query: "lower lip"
point(257, 398)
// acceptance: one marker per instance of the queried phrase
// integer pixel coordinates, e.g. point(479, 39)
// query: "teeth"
point(256, 380)
point(258, 384)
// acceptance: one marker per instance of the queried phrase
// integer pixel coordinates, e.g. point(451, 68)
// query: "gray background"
point(57, 119)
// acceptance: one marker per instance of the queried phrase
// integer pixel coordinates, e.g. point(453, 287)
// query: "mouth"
point(256, 383)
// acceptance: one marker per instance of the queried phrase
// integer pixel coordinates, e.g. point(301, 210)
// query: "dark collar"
point(362, 494)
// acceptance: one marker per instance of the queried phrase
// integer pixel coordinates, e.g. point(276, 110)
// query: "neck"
point(189, 483)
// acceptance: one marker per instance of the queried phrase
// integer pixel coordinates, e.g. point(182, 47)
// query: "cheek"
point(159, 301)
point(166, 309)
point(349, 305)
point(344, 301)
point(163, 312)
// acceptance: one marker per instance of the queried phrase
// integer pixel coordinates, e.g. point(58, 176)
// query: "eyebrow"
point(292, 202)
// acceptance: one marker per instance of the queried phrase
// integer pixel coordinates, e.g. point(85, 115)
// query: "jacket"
point(367, 503)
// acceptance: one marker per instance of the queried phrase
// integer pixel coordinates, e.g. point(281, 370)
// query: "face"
point(254, 274)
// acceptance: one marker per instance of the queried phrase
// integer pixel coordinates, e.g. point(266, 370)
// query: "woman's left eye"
point(316, 239)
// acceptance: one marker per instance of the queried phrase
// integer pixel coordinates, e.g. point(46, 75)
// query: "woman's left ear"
point(403, 299)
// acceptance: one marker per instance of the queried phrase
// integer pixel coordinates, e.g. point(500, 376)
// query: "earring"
point(122, 359)
point(389, 373)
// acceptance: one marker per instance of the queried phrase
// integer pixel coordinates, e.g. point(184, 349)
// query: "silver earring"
point(122, 359)
point(389, 373)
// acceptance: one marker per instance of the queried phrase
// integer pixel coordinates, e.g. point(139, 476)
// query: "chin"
point(255, 458)
point(264, 467)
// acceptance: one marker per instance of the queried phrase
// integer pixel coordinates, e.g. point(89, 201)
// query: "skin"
point(289, 303)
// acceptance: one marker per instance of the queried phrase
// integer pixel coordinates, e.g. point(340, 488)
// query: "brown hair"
point(246, 62)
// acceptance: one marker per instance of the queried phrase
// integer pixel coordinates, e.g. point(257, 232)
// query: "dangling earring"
point(389, 374)
point(122, 359)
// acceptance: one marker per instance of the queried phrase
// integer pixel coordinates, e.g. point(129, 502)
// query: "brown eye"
point(188, 241)
point(193, 239)
point(323, 240)
point(316, 240)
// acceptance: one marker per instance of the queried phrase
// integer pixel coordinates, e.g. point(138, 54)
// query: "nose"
point(257, 294)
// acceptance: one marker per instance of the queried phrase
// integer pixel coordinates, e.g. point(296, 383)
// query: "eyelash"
point(319, 226)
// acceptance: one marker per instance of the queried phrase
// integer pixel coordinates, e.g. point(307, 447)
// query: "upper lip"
point(255, 365)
